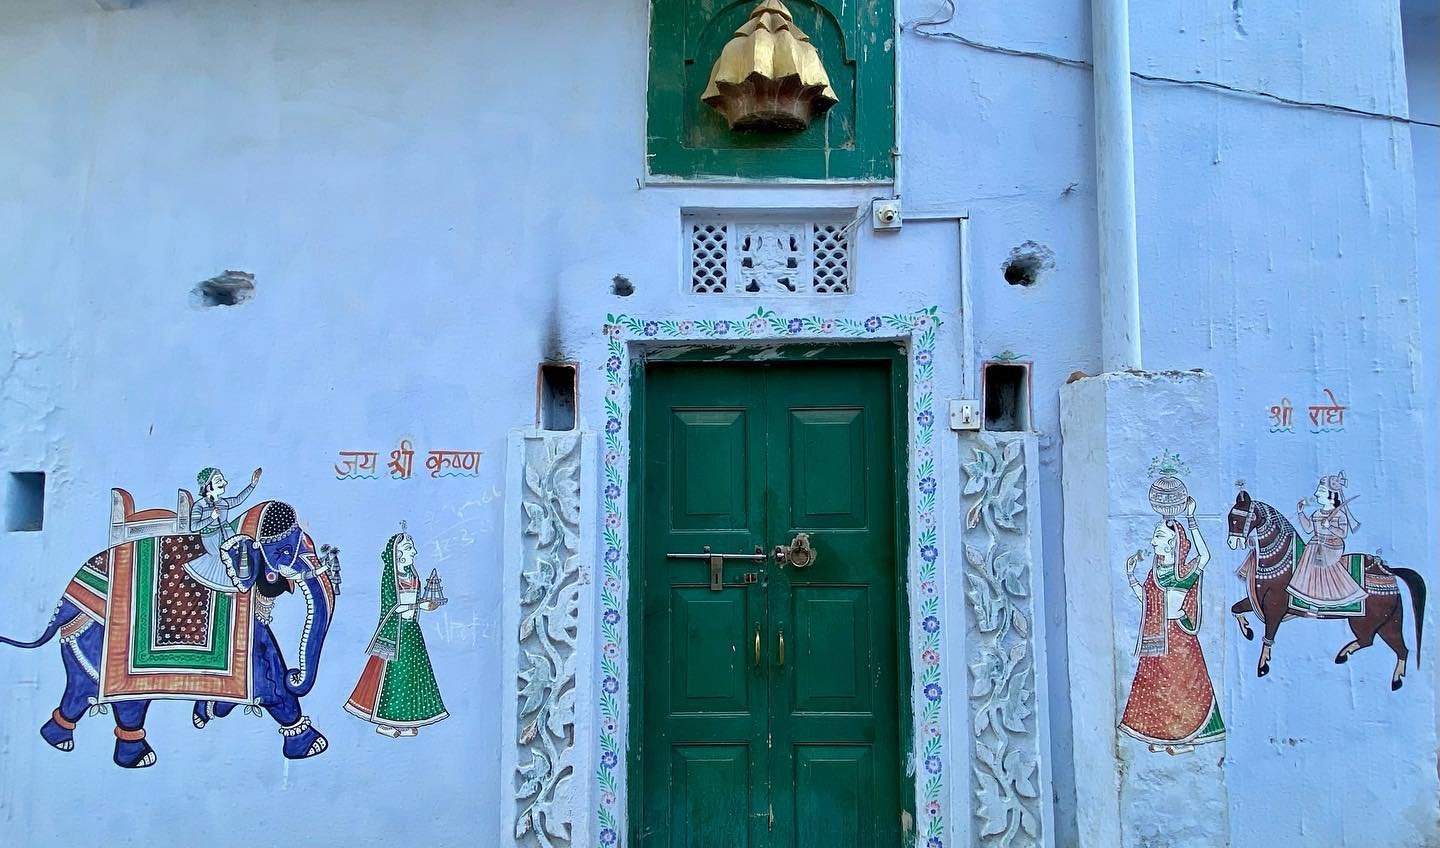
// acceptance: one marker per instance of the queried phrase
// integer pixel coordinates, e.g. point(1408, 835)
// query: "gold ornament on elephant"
point(769, 76)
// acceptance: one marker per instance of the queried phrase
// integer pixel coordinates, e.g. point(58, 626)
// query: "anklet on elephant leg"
point(60, 719)
point(297, 728)
point(124, 735)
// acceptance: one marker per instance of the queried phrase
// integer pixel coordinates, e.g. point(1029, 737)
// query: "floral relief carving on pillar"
point(1005, 757)
point(550, 585)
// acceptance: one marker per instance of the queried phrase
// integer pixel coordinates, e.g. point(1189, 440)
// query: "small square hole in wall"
point(25, 501)
point(555, 406)
point(1007, 396)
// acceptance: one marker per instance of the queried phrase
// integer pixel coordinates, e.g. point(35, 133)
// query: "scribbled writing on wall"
point(462, 525)
point(456, 631)
point(364, 465)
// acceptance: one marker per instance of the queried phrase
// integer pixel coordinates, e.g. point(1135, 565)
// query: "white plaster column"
point(548, 633)
point(1115, 185)
point(1114, 427)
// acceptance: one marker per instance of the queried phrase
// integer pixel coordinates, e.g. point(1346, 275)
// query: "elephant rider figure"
point(225, 551)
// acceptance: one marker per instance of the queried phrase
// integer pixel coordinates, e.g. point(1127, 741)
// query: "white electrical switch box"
point(964, 415)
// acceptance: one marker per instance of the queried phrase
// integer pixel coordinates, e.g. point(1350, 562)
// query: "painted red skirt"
point(1171, 700)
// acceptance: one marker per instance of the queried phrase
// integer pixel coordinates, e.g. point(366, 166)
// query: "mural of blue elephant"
point(171, 611)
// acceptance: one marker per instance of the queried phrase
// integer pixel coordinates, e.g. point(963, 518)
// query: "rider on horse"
point(1322, 577)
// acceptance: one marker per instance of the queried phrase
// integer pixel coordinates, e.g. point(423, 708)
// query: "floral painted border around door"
point(925, 640)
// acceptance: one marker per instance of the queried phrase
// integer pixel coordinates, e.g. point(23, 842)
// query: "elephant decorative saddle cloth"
point(167, 635)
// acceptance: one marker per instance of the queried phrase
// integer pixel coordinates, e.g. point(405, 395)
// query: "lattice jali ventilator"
point(769, 257)
point(830, 253)
point(707, 258)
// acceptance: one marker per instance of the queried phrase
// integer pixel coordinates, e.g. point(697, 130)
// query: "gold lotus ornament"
point(769, 76)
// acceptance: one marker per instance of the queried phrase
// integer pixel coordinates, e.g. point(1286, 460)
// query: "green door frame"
point(892, 352)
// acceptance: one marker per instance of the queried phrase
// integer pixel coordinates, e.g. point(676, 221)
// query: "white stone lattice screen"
point(769, 257)
point(547, 612)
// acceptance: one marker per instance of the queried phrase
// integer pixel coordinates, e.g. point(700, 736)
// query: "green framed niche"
point(852, 142)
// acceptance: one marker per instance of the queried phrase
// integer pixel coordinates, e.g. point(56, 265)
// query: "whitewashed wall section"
point(548, 612)
point(1009, 728)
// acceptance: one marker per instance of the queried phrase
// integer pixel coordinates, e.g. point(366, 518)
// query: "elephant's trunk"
point(319, 606)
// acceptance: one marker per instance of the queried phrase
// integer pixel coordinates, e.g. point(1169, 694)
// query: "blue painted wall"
point(435, 195)
point(1422, 77)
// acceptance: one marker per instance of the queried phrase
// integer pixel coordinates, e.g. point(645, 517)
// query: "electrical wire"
point(922, 28)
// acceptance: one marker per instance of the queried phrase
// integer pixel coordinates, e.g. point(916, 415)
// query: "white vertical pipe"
point(897, 152)
point(1115, 186)
point(969, 382)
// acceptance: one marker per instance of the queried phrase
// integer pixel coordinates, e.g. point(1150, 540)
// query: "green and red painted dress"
point(1171, 699)
point(398, 688)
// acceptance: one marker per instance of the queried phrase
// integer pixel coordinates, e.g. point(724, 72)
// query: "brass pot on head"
point(1168, 496)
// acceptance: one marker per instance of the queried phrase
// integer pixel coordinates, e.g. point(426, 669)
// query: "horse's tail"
point(55, 628)
point(1416, 583)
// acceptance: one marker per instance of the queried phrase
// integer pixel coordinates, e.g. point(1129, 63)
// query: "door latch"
point(798, 553)
point(717, 563)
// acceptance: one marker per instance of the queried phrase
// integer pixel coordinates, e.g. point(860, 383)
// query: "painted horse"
point(136, 626)
point(1274, 549)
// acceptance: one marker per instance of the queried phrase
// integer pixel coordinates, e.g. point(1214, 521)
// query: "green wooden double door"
point(771, 705)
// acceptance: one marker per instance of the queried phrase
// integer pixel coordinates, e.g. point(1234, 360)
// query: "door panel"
point(711, 802)
point(833, 656)
point(709, 468)
point(791, 740)
point(708, 672)
point(832, 784)
point(827, 447)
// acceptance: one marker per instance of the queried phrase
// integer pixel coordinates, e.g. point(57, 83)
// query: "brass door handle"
point(757, 647)
point(782, 646)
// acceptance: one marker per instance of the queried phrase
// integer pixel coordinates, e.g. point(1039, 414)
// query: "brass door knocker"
point(798, 553)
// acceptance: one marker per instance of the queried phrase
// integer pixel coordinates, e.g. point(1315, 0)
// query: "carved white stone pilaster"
point(1005, 653)
point(546, 581)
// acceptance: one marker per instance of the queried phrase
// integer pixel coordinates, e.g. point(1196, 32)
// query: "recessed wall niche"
point(557, 389)
point(25, 501)
point(1007, 395)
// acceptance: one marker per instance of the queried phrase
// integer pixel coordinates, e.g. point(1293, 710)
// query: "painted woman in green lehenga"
point(397, 691)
